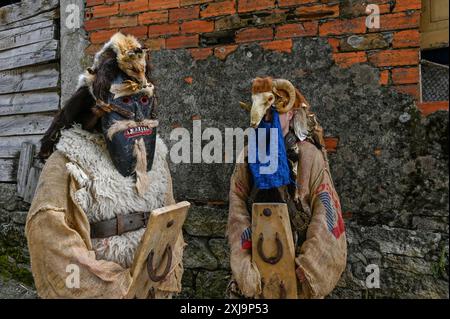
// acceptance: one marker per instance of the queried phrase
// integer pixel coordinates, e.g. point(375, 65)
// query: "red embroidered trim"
point(246, 244)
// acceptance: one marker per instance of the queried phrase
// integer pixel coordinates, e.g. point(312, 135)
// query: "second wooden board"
point(273, 250)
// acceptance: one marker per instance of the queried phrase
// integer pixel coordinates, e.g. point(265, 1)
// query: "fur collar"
point(104, 192)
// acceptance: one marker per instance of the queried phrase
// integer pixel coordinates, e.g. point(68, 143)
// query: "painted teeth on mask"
point(138, 129)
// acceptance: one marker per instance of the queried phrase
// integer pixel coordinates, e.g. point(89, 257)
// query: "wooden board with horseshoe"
point(273, 250)
point(153, 259)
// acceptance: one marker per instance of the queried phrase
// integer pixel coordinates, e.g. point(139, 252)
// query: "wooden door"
point(434, 24)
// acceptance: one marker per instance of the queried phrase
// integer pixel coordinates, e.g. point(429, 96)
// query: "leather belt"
point(119, 225)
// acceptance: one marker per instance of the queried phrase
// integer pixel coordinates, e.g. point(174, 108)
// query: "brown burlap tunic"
point(321, 259)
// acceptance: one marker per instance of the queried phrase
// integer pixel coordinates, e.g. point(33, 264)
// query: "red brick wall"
point(218, 27)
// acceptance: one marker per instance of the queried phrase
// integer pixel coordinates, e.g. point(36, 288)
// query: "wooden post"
point(273, 251)
point(25, 162)
point(32, 181)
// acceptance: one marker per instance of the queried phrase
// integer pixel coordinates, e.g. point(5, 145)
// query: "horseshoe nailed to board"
point(273, 250)
point(154, 257)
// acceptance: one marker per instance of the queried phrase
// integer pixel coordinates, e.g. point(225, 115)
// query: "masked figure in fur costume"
point(106, 172)
point(302, 181)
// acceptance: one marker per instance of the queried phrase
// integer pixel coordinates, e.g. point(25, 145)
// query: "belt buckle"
point(145, 218)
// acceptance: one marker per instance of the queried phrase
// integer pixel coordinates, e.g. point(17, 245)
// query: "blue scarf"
point(282, 175)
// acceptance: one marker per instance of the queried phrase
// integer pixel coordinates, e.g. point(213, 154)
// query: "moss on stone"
point(10, 269)
point(13, 261)
point(440, 268)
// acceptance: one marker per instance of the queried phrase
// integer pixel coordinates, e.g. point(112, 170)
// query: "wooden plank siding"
point(29, 83)
point(42, 17)
point(24, 124)
point(10, 145)
point(29, 102)
point(25, 10)
point(32, 54)
point(28, 34)
point(29, 79)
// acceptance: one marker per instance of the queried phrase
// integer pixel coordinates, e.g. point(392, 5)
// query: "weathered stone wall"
point(14, 257)
point(390, 168)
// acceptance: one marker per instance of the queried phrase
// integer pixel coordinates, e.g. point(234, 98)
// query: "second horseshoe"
point(270, 260)
point(152, 271)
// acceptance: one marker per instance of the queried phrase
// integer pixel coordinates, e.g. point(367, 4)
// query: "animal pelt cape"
point(94, 84)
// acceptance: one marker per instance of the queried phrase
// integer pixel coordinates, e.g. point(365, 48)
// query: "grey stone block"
point(206, 221)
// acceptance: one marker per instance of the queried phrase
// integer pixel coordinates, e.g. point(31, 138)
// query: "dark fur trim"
point(105, 74)
point(76, 110)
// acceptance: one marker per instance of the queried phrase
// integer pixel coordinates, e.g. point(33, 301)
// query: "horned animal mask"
point(280, 93)
point(267, 92)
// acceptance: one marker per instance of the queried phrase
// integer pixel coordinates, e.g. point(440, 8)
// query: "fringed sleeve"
point(323, 255)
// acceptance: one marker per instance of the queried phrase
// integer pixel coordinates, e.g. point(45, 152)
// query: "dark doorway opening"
point(439, 56)
point(4, 3)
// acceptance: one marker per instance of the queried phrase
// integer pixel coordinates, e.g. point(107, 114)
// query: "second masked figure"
point(302, 181)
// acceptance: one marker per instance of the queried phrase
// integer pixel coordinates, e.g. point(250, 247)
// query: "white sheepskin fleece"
point(104, 192)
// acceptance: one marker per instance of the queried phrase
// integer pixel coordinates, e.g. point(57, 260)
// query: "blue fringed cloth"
point(282, 175)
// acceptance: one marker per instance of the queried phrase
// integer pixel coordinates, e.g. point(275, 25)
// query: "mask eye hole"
point(126, 100)
point(144, 100)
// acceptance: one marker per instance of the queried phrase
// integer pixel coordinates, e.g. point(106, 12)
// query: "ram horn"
point(287, 86)
point(245, 106)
